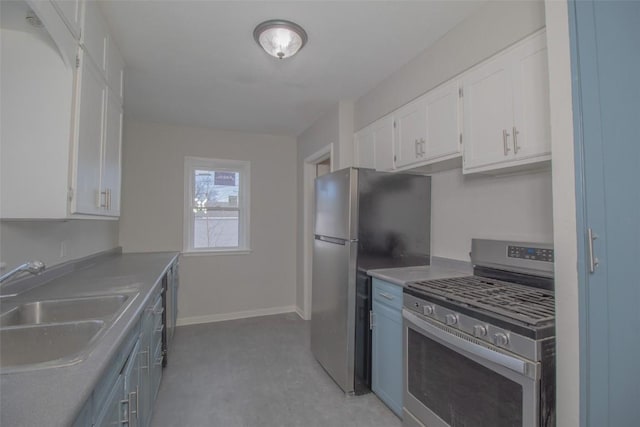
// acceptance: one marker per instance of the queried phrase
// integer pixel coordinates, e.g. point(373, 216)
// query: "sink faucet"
point(33, 267)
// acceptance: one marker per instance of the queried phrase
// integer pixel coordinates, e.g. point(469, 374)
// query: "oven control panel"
point(531, 253)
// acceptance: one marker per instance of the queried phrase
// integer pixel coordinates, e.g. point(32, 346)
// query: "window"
point(216, 205)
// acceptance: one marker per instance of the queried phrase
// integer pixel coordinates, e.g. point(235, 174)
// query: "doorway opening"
point(317, 164)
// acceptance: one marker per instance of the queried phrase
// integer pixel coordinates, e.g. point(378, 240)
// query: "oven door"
point(453, 379)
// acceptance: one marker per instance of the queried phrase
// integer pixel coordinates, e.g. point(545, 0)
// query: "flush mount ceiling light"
point(279, 38)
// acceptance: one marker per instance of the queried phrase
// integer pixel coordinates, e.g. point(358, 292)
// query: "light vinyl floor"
point(256, 372)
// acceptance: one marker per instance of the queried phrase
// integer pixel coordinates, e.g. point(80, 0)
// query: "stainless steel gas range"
point(479, 351)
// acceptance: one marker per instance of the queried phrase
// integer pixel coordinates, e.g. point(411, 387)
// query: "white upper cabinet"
point(90, 118)
point(364, 147)
point(443, 122)
point(115, 70)
point(488, 113)
point(71, 12)
point(532, 135)
point(384, 144)
point(374, 145)
point(411, 132)
point(111, 157)
point(67, 165)
point(95, 35)
point(506, 109)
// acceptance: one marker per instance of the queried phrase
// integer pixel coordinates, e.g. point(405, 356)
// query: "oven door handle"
point(510, 362)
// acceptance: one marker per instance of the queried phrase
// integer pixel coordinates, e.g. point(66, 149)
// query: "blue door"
point(605, 43)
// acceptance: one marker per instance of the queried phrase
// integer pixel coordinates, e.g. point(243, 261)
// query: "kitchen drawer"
point(387, 293)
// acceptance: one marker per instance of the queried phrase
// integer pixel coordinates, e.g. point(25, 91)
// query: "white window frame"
point(191, 164)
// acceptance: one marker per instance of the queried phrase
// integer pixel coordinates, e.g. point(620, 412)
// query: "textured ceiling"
point(196, 63)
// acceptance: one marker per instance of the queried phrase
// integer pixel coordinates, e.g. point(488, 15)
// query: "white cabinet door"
point(115, 70)
point(95, 35)
point(71, 13)
point(90, 106)
point(531, 127)
point(383, 143)
point(488, 114)
point(411, 132)
point(110, 183)
point(506, 109)
point(365, 148)
point(443, 127)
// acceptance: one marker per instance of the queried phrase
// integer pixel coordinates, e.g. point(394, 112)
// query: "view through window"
point(217, 208)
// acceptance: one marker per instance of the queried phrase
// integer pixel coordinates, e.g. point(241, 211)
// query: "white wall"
point(21, 241)
point(213, 287)
point(513, 207)
point(564, 216)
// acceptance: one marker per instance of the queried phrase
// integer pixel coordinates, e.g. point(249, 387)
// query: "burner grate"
point(524, 303)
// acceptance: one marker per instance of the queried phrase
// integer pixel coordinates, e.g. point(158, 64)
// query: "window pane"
point(215, 229)
point(216, 189)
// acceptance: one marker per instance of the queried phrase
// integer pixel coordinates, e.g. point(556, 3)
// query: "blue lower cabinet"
point(386, 375)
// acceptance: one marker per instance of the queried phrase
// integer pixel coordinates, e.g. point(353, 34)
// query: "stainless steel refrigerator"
point(364, 219)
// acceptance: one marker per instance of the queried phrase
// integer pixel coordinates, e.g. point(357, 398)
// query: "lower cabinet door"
point(386, 379)
point(156, 371)
point(131, 373)
point(114, 411)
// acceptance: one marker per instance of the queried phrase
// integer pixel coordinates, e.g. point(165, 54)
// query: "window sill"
point(189, 253)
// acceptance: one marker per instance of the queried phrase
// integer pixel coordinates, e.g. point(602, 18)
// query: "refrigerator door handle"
point(333, 240)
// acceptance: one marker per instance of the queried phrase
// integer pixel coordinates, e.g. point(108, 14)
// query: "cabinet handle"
point(125, 412)
point(516, 148)
point(108, 199)
point(416, 148)
point(386, 295)
point(100, 204)
point(131, 411)
point(505, 135)
point(423, 145)
point(147, 351)
point(593, 260)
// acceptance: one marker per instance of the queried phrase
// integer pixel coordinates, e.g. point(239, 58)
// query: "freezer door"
point(336, 204)
point(333, 308)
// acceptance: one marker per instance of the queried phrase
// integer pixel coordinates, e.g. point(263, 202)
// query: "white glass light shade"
point(280, 39)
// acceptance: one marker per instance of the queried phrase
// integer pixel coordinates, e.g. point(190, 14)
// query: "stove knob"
point(480, 330)
point(451, 319)
point(501, 339)
point(428, 310)
point(416, 304)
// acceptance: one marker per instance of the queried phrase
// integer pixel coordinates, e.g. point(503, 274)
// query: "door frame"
point(309, 172)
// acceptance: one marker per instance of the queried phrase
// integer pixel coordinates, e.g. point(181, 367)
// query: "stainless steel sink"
point(63, 310)
point(48, 345)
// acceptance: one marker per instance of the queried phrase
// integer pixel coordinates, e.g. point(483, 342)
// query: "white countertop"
point(440, 268)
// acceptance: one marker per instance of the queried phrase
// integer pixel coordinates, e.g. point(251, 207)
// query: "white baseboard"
point(300, 312)
point(210, 318)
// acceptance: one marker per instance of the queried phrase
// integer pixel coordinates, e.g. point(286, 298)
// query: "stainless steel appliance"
point(364, 219)
point(480, 350)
